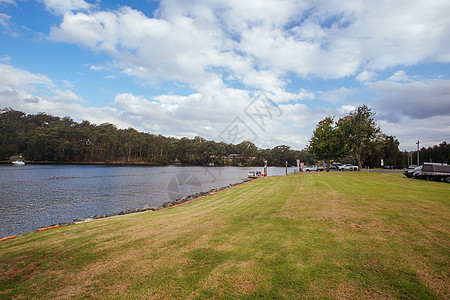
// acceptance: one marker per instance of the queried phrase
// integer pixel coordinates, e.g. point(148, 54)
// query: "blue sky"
point(192, 68)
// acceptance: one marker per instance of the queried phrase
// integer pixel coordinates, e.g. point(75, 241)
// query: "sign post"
point(265, 168)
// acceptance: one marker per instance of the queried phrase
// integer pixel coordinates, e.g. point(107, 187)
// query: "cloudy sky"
point(231, 69)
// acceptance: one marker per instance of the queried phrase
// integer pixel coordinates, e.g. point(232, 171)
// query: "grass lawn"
point(325, 235)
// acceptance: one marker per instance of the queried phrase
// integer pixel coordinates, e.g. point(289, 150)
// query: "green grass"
point(330, 235)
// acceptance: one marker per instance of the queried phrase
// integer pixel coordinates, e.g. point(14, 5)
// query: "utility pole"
point(418, 164)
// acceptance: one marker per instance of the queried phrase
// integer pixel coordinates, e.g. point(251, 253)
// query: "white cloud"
point(399, 76)
point(393, 33)
point(187, 41)
point(96, 68)
point(366, 76)
point(345, 109)
point(68, 84)
point(277, 50)
point(4, 19)
point(336, 96)
point(153, 49)
point(181, 115)
point(60, 7)
point(16, 78)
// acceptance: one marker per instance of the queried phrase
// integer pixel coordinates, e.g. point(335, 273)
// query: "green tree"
point(248, 152)
point(383, 147)
point(327, 142)
point(282, 154)
point(358, 129)
point(438, 153)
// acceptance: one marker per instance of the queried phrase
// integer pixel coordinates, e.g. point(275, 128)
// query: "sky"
point(231, 70)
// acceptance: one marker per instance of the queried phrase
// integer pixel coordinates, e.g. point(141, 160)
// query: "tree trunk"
point(358, 158)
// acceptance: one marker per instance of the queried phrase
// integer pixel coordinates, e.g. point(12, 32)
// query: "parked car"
point(408, 172)
point(313, 168)
point(436, 172)
point(348, 167)
point(417, 173)
point(335, 166)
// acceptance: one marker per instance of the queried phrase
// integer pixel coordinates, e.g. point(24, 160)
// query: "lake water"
point(33, 196)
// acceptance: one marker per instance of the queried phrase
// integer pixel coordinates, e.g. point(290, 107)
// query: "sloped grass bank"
point(330, 235)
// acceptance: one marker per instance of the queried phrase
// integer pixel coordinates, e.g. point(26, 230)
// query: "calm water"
point(40, 195)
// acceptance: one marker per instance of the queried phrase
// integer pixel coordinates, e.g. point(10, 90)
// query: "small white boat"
point(18, 162)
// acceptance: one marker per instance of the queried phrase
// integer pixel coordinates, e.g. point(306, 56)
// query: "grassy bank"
point(336, 235)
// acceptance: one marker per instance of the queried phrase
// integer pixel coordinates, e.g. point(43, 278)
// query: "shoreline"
point(119, 163)
point(146, 208)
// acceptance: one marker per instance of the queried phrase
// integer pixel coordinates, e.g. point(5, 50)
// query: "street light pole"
point(286, 167)
point(418, 164)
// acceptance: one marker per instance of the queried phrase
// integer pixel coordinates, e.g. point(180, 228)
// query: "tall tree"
point(358, 130)
point(326, 142)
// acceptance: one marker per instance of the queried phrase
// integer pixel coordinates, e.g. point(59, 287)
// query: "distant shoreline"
point(115, 163)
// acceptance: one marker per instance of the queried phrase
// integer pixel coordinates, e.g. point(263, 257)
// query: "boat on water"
point(253, 174)
point(18, 162)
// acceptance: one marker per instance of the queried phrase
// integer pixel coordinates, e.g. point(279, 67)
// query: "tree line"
point(354, 138)
point(43, 137)
point(436, 153)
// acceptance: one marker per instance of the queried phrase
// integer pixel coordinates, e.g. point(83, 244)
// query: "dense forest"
point(43, 137)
